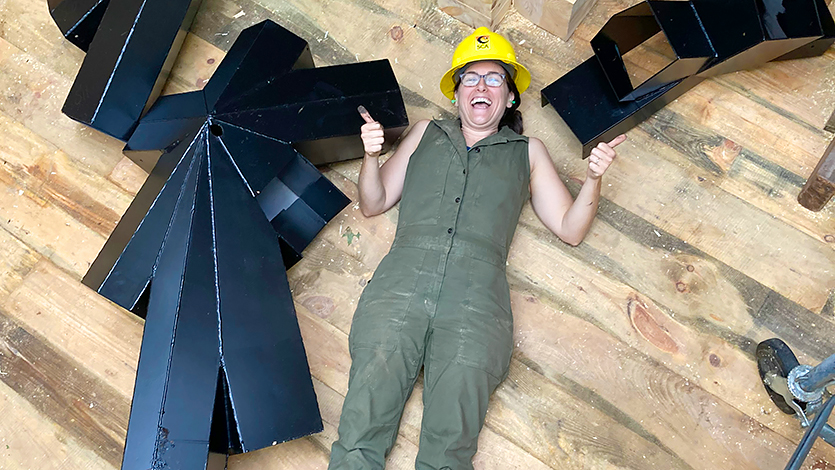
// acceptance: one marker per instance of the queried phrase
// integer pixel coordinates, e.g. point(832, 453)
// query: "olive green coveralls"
point(440, 299)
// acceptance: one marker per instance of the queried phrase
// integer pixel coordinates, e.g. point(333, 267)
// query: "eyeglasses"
point(491, 79)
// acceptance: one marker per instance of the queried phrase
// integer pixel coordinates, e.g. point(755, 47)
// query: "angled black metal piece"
point(631, 27)
point(78, 19)
point(816, 47)
point(749, 33)
point(128, 59)
point(202, 250)
point(222, 365)
point(315, 109)
point(709, 37)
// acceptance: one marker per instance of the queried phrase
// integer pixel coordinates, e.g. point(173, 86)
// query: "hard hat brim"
point(522, 79)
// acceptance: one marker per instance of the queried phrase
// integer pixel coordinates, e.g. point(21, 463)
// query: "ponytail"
point(512, 117)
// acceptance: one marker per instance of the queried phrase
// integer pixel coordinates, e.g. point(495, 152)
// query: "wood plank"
point(84, 326)
point(85, 408)
point(32, 440)
point(16, 261)
point(739, 171)
point(49, 175)
point(785, 142)
point(679, 307)
point(197, 61)
point(34, 96)
point(718, 223)
point(682, 415)
point(798, 89)
point(30, 28)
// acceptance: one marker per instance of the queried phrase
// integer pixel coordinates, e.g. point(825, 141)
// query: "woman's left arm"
point(569, 219)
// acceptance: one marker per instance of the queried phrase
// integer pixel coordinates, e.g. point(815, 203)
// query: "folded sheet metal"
point(597, 99)
point(127, 61)
point(202, 251)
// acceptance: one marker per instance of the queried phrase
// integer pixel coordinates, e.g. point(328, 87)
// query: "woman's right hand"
point(371, 133)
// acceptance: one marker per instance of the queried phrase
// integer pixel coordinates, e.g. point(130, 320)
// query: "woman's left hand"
point(602, 156)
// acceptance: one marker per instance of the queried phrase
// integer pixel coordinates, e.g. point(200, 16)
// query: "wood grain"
point(634, 350)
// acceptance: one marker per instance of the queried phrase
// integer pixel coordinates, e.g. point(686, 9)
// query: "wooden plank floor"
point(634, 350)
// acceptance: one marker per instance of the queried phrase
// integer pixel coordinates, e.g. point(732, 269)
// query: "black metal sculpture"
point(222, 366)
point(708, 37)
point(131, 46)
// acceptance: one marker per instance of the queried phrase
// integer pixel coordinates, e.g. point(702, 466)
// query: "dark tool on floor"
point(799, 390)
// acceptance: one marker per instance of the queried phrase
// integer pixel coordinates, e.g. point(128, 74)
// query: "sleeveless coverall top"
point(458, 213)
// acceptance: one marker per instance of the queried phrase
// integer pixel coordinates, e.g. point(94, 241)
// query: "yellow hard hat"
point(484, 44)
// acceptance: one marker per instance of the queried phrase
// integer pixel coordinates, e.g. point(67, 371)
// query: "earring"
point(452, 101)
point(513, 102)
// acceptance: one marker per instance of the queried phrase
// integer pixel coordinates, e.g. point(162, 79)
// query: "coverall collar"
point(452, 128)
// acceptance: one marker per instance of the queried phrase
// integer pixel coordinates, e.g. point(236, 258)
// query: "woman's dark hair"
point(512, 117)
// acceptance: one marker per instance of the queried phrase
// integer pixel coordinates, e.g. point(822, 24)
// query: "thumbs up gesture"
point(371, 133)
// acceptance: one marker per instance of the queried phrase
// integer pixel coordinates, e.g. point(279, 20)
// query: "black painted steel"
point(633, 26)
point(127, 62)
point(222, 358)
point(78, 19)
point(709, 37)
point(202, 250)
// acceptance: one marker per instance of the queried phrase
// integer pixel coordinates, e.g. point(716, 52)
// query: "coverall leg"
point(387, 344)
point(467, 356)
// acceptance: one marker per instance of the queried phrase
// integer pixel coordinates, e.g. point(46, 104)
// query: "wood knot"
point(320, 305)
point(820, 465)
point(396, 33)
point(690, 268)
point(452, 11)
point(210, 61)
point(829, 238)
point(715, 361)
point(681, 287)
point(648, 327)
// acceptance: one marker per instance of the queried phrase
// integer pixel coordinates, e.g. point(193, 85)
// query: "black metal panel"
point(78, 20)
point(319, 103)
point(749, 33)
point(122, 270)
point(145, 433)
point(127, 63)
point(249, 65)
point(196, 350)
point(816, 47)
point(637, 24)
point(584, 100)
point(709, 37)
point(259, 331)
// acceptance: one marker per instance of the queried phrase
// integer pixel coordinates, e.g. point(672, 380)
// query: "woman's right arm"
point(380, 187)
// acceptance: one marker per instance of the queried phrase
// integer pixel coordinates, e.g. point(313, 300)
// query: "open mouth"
point(480, 102)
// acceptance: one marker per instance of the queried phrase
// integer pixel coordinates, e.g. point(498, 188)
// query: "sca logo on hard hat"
point(482, 43)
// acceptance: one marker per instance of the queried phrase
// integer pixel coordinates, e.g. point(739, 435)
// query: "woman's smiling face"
point(482, 106)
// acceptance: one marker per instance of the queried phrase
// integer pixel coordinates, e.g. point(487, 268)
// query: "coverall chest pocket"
point(426, 185)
